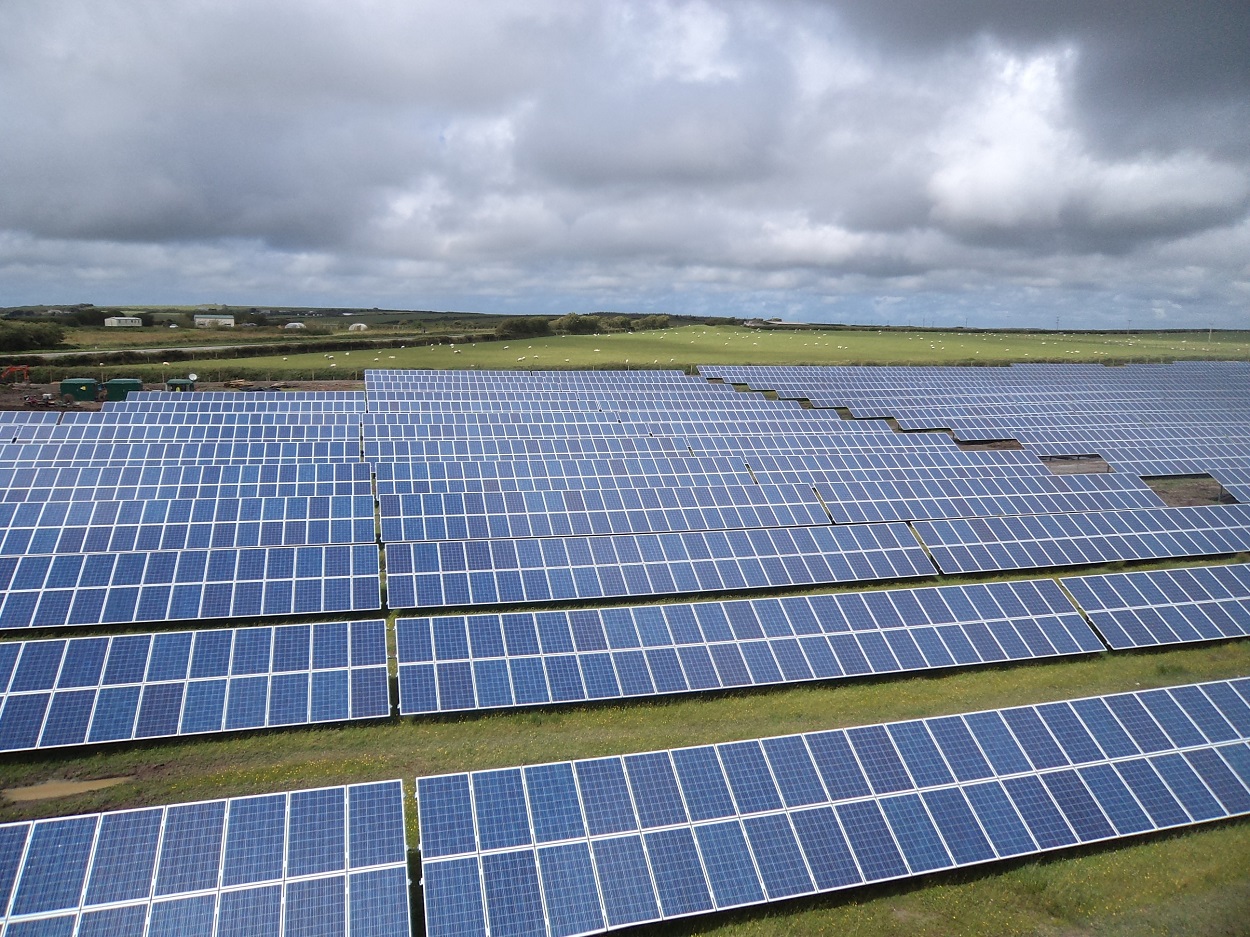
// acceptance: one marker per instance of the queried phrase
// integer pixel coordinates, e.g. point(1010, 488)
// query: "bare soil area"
point(1076, 465)
point(50, 789)
point(19, 396)
point(1181, 491)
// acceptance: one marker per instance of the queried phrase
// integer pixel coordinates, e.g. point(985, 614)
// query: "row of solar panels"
point(1144, 421)
point(328, 861)
point(100, 588)
point(458, 516)
point(183, 683)
point(479, 572)
point(152, 585)
point(519, 659)
point(585, 846)
point(35, 455)
point(66, 692)
point(1028, 542)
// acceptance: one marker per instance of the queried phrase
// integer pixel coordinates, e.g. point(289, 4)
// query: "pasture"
point(685, 347)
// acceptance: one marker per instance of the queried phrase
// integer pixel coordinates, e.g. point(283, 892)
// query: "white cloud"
point(1011, 159)
point(638, 153)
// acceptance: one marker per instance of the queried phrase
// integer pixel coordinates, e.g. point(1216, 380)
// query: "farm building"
point(357, 327)
point(295, 325)
point(214, 322)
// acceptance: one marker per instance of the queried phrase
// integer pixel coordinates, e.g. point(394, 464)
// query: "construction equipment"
point(10, 374)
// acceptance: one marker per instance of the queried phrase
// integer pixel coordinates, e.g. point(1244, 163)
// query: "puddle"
point(50, 789)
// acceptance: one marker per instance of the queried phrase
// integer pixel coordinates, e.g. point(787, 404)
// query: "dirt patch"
point(50, 789)
point(15, 396)
point(1076, 465)
point(1180, 491)
point(989, 445)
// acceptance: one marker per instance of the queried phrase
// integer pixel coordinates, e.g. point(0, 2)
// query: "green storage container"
point(180, 384)
point(80, 388)
point(119, 387)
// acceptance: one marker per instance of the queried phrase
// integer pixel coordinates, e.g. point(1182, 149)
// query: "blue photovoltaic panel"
point(100, 588)
point(1003, 543)
point(1182, 418)
point(70, 691)
point(517, 514)
point(106, 526)
point(1167, 606)
point(68, 454)
point(796, 815)
point(489, 572)
point(533, 658)
point(144, 482)
point(174, 869)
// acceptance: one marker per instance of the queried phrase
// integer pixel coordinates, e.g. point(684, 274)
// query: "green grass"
point(687, 346)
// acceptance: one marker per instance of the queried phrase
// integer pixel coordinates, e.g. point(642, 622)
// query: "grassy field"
point(1195, 882)
point(687, 346)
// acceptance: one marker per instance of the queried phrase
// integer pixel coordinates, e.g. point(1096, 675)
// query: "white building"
point(295, 325)
point(123, 321)
point(357, 327)
point(214, 322)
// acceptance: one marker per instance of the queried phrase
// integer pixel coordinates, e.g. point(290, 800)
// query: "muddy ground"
point(14, 396)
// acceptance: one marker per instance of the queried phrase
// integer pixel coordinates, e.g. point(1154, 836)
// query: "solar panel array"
point(1183, 418)
point(182, 524)
point(107, 588)
point(519, 659)
point(515, 489)
point(109, 689)
point(403, 478)
point(586, 846)
point(141, 482)
point(485, 572)
point(1166, 606)
point(329, 861)
point(519, 514)
point(1002, 543)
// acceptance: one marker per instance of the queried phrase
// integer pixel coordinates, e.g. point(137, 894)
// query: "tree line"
point(575, 324)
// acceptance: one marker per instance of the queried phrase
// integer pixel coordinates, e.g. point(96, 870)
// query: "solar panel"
point(536, 658)
point(503, 515)
point(100, 689)
point(488, 572)
point(1166, 606)
point(1181, 418)
point(100, 588)
point(586, 846)
point(319, 861)
point(1003, 543)
point(179, 524)
point(144, 482)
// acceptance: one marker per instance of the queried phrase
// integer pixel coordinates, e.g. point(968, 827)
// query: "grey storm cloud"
point(947, 160)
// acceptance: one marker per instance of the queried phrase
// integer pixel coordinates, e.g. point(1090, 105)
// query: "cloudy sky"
point(989, 162)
